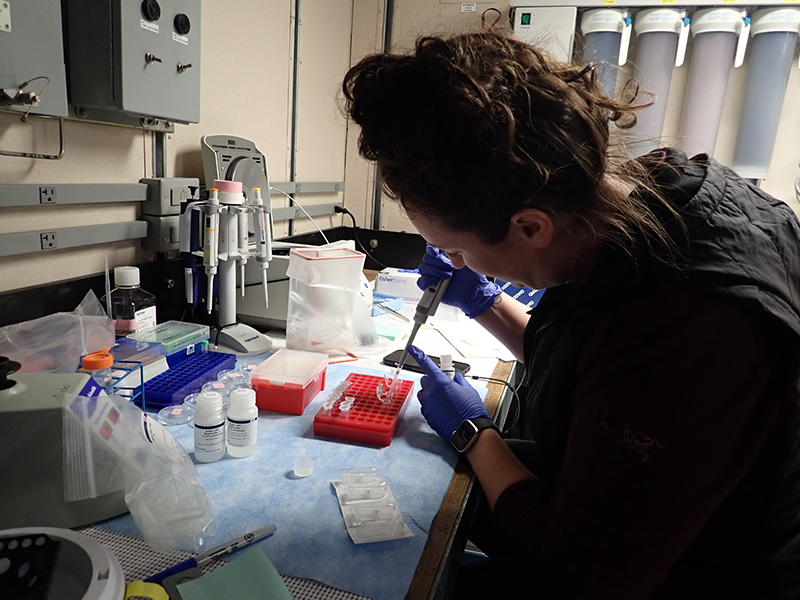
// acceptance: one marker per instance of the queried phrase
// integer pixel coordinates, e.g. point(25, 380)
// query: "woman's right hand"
point(468, 290)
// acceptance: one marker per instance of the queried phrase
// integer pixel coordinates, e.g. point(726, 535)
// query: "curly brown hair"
point(470, 129)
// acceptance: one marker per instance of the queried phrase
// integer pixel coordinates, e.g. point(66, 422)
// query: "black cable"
point(343, 210)
point(514, 391)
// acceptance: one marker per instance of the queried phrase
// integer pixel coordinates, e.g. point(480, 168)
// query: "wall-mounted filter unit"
point(131, 58)
point(606, 37)
point(715, 32)
point(774, 32)
point(662, 35)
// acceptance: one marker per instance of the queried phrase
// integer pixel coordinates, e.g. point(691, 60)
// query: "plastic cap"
point(446, 362)
point(211, 401)
point(243, 398)
point(303, 467)
point(234, 187)
point(98, 360)
point(126, 276)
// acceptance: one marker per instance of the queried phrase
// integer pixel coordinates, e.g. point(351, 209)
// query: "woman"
point(661, 363)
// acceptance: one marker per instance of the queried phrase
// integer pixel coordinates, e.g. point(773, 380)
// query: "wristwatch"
point(466, 434)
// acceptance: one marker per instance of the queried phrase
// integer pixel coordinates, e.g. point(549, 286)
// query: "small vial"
point(303, 467)
point(209, 427)
point(327, 406)
point(98, 365)
point(242, 423)
point(447, 365)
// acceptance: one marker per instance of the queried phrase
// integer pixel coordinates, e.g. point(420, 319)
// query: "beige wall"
point(246, 79)
point(416, 17)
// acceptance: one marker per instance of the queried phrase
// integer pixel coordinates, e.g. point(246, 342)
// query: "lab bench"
point(437, 509)
point(433, 488)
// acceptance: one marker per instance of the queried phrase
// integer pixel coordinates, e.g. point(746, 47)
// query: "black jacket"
point(744, 246)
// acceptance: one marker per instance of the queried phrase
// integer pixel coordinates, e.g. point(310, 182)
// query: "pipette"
point(264, 240)
point(426, 307)
point(210, 247)
point(244, 246)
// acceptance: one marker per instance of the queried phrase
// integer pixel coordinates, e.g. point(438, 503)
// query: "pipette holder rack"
point(369, 419)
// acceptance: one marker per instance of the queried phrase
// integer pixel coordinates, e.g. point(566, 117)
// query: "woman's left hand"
point(446, 403)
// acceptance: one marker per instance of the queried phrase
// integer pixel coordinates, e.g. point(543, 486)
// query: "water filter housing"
point(774, 32)
point(715, 32)
point(606, 37)
point(662, 35)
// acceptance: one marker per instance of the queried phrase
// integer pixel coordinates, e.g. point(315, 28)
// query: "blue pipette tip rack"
point(172, 386)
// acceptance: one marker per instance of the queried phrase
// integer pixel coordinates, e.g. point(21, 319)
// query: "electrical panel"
point(31, 51)
point(551, 28)
point(135, 58)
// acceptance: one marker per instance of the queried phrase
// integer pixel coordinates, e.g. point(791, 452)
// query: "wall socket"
point(47, 195)
point(48, 240)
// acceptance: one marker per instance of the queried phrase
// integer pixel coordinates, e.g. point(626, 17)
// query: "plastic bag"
point(109, 443)
point(323, 283)
point(55, 343)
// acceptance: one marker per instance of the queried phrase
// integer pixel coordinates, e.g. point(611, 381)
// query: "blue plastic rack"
point(185, 378)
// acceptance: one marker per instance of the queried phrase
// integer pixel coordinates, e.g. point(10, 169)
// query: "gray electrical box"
point(138, 58)
point(31, 50)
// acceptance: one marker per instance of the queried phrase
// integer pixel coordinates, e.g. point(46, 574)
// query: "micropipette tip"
point(266, 293)
point(210, 297)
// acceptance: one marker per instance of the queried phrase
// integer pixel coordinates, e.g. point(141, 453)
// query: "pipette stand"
point(233, 337)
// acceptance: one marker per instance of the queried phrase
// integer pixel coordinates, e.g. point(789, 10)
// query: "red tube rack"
point(370, 420)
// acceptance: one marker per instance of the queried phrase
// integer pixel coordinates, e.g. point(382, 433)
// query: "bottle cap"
point(209, 401)
point(98, 360)
point(126, 276)
point(242, 398)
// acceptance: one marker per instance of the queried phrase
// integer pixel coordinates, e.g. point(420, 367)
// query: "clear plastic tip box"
point(368, 419)
point(288, 380)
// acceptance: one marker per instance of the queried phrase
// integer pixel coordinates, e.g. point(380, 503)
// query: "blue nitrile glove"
point(446, 403)
point(468, 290)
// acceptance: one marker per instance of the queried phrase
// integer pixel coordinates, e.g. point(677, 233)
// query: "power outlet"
point(48, 240)
point(47, 195)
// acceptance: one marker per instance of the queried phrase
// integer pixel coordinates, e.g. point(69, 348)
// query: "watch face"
point(463, 435)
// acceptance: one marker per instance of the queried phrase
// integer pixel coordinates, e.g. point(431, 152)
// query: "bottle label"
point(209, 439)
point(242, 433)
point(146, 318)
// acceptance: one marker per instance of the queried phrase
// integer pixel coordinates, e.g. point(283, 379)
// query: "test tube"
point(774, 32)
point(715, 32)
point(606, 35)
point(662, 34)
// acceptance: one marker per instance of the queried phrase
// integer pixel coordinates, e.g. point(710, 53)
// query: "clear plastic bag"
point(55, 343)
point(323, 283)
point(110, 443)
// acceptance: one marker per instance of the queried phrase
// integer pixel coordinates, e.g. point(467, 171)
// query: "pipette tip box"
point(369, 420)
point(289, 380)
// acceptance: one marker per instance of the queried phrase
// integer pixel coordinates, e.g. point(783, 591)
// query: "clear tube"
point(771, 58)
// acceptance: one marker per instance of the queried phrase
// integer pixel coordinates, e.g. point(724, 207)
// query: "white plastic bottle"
point(242, 423)
point(209, 427)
